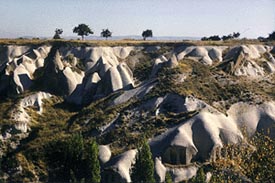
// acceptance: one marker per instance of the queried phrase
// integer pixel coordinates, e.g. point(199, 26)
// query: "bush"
point(168, 178)
point(200, 177)
point(261, 165)
point(244, 163)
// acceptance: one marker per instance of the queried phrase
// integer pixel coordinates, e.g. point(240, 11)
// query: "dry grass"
point(6, 105)
point(130, 42)
point(127, 42)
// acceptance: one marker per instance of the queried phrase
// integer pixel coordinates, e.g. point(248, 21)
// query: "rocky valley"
point(190, 101)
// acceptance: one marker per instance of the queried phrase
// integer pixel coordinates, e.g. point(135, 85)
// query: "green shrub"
point(168, 178)
point(200, 177)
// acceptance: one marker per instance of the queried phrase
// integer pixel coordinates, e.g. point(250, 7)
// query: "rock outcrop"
point(19, 114)
point(100, 64)
point(104, 153)
point(119, 167)
point(244, 60)
point(104, 74)
point(19, 64)
point(204, 54)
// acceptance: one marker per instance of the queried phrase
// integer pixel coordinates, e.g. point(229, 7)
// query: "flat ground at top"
point(130, 42)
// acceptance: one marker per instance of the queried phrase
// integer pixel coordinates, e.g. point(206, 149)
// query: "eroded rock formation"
point(191, 128)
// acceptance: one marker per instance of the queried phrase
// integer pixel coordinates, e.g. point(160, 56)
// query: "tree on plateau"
point(147, 33)
point(82, 30)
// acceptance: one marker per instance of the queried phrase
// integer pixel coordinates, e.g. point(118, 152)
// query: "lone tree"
point(143, 170)
point(147, 33)
point(106, 33)
point(82, 30)
point(57, 34)
point(236, 34)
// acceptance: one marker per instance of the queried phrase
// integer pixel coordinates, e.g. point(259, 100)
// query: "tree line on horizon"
point(84, 30)
point(236, 35)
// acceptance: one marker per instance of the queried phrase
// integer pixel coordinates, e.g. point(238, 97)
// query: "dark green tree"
point(65, 159)
point(57, 34)
point(106, 33)
point(236, 34)
point(211, 38)
point(93, 166)
point(214, 38)
point(143, 169)
point(74, 154)
point(204, 39)
point(0, 162)
point(228, 37)
point(272, 36)
point(147, 33)
point(82, 30)
point(260, 38)
point(74, 160)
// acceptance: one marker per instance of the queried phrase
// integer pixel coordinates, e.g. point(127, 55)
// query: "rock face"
point(83, 74)
point(158, 64)
point(19, 114)
point(239, 60)
point(242, 60)
point(119, 167)
point(204, 54)
point(256, 118)
point(196, 138)
point(104, 153)
point(101, 73)
point(20, 63)
point(104, 74)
